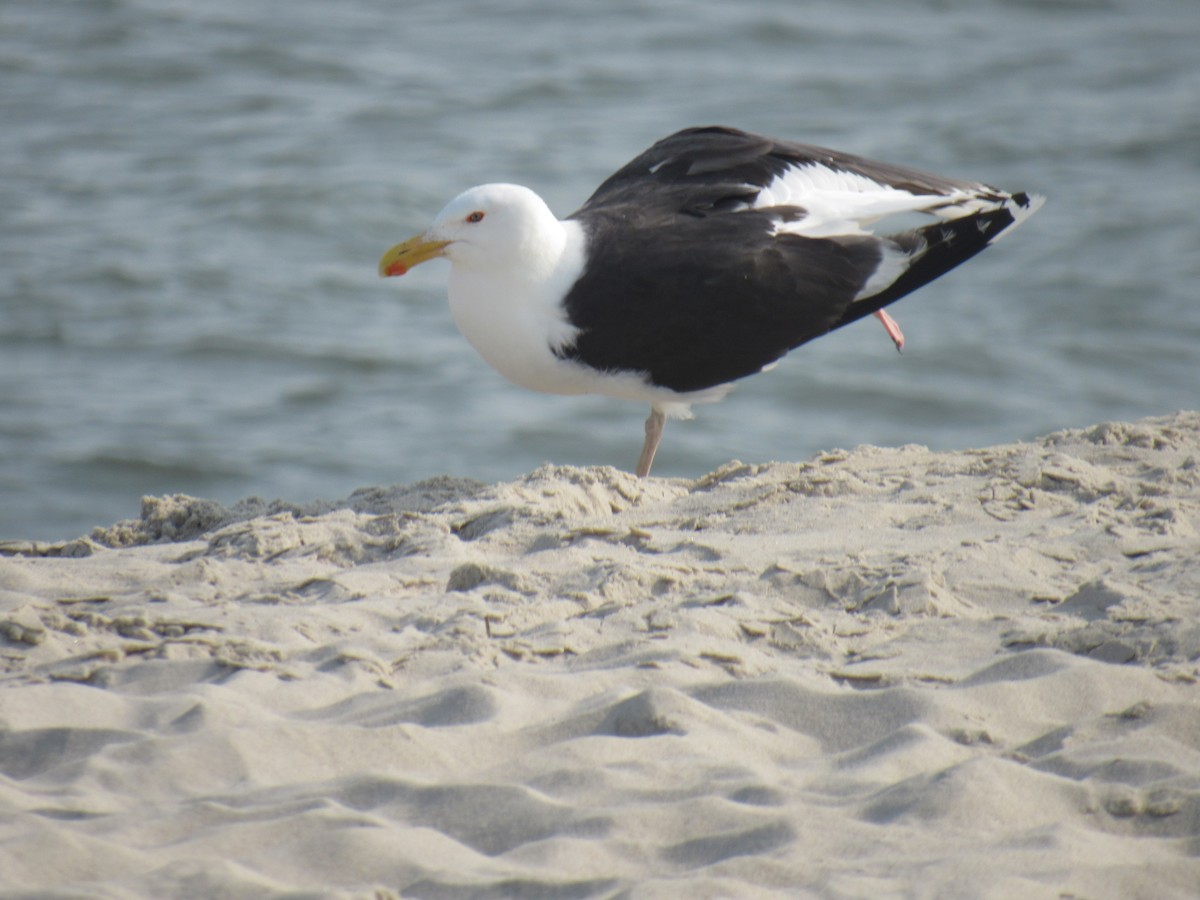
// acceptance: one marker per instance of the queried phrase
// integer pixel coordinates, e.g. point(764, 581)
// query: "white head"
point(492, 226)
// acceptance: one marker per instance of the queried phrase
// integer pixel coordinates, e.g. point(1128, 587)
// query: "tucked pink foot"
point(892, 329)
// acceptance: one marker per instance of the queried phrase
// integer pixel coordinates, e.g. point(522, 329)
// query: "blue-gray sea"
point(194, 196)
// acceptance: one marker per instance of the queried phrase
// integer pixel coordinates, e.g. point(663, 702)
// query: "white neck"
point(510, 311)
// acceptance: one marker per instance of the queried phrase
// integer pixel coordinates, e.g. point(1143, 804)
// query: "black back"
point(686, 283)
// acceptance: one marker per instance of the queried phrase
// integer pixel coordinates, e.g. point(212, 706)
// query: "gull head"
point(492, 226)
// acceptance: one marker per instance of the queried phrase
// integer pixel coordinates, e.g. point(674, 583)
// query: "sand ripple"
point(886, 672)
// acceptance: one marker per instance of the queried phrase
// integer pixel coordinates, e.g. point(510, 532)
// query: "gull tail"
point(916, 257)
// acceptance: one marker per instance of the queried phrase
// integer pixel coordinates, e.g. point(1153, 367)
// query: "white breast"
point(513, 315)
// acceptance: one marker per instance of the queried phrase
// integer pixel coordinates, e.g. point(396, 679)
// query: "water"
point(193, 198)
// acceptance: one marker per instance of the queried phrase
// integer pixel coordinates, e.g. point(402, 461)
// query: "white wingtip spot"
point(1020, 211)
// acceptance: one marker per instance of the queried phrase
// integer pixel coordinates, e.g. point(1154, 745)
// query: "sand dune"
point(877, 673)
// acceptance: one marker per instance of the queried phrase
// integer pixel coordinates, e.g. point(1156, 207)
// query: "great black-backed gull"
point(702, 261)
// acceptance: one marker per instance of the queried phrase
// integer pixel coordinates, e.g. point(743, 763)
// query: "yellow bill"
point(411, 253)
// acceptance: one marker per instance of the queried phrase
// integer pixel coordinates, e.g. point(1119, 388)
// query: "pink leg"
point(655, 423)
point(892, 328)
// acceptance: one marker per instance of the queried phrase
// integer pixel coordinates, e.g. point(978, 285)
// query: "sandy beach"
point(881, 672)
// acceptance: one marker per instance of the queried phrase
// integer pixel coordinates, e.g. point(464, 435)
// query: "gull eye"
point(476, 216)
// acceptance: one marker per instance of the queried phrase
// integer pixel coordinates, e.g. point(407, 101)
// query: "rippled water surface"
point(193, 198)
